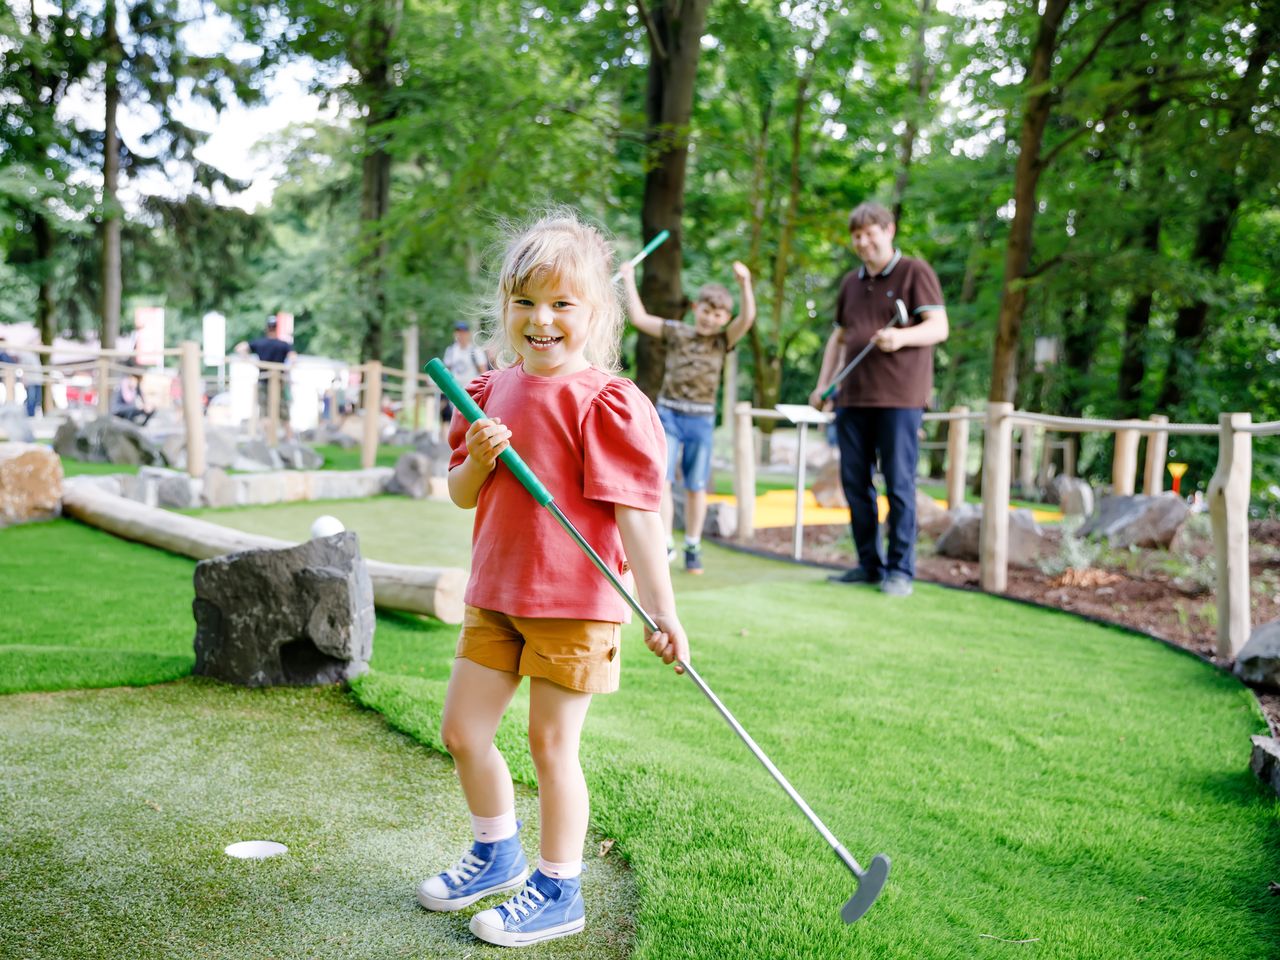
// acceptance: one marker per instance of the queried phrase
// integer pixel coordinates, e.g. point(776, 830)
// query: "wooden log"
point(434, 591)
point(1229, 512)
point(273, 407)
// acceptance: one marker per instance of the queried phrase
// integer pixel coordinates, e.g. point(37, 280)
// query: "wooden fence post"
point(744, 470)
point(1124, 463)
point(1069, 455)
point(1157, 453)
point(728, 414)
point(104, 385)
point(409, 401)
point(957, 456)
point(273, 407)
point(1026, 460)
point(192, 407)
point(372, 400)
point(993, 538)
point(1229, 511)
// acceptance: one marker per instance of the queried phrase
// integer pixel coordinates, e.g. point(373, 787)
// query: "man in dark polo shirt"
point(879, 406)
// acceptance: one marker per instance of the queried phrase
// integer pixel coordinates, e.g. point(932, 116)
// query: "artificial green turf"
point(348, 458)
point(1032, 775)
point(118, 804)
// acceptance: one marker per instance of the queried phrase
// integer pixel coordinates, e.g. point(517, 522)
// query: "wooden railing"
point(1228, 489)
point(418, 394)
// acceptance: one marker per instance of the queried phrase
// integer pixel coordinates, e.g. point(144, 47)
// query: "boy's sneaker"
point(693, 558)
point(545, 909)
point(484, 869)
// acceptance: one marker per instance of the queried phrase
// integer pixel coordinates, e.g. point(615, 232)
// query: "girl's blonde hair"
point(558, 244)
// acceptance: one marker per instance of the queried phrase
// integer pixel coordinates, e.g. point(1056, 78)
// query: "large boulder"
point(299, 616)
point(932, 518)
point(107, 440)
point(1138, 521)
point(1027, 542)
point(1258, 662)
point(30, 483)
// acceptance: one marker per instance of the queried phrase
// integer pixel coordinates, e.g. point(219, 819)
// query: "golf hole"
point(255, 849)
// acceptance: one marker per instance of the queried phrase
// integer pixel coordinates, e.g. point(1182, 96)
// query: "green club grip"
point(462, 401)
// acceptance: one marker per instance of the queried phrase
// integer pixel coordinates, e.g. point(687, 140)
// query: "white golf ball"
point(326, 526)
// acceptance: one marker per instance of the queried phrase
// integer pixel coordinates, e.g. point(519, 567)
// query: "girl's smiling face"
point(548, 324)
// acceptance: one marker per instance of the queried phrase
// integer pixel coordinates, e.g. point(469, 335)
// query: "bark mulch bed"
point(1166, 594)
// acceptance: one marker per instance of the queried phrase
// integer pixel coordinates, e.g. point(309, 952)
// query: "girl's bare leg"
point(556, 715)
point(473, 706)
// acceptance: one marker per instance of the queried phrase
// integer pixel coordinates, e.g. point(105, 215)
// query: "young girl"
point(536, 605)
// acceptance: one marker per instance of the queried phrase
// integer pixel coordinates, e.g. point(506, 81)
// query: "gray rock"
point(1264, 760)
point(1140, 521)
point(960, 539)
point(412, 476)
point(257, 455)
point(219, 446)
point(1074, 495)
point(14, 425)
point(1258, 662)
point(1027, 542)
point(179, 493)
point(721, 522)
point(932, 518)
point(299, 457)
point(303, 615)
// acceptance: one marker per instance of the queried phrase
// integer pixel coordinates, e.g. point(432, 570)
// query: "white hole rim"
point(254, 849)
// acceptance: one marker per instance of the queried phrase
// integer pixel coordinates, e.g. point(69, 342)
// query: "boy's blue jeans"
point(689, 440)
point(892, 434)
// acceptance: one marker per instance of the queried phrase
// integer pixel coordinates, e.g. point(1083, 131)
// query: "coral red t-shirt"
point(594, 440)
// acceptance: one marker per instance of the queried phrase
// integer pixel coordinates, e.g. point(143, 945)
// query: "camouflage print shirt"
point(694, 362)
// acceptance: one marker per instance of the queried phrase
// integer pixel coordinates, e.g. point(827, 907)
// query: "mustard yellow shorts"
point(582, 655)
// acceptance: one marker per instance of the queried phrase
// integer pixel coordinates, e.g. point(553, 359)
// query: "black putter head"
point(870, 883)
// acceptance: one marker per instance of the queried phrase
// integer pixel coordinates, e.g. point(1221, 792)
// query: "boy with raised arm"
point(687, 400)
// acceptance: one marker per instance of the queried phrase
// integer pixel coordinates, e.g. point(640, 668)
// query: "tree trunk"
point(675, 41)
point(112, 282)
point(1222, 200)
point(1013, 298)
point(375, 199)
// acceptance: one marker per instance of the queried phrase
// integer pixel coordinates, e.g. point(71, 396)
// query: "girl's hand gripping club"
point(649, 247)
point(871, 880)
point(899, 320)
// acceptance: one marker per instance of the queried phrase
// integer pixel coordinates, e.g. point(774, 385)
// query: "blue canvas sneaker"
point(484, 869)
point(545, 909)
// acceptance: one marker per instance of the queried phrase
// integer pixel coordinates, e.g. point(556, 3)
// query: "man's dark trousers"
point(894, 434)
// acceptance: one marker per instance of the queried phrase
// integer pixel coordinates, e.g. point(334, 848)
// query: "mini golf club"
point(649, 247)
point(899, 320)
point(871, 880)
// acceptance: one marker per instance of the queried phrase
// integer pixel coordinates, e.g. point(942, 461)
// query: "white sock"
point(692, 541)
point(493, 829)
point(559, 871)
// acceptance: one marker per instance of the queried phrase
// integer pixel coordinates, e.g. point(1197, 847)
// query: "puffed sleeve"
point(478, 389)
point(624, 448)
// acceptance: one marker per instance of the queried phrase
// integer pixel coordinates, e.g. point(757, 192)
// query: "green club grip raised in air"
point(462, 401)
